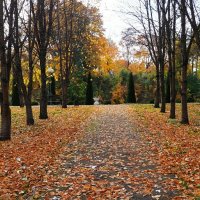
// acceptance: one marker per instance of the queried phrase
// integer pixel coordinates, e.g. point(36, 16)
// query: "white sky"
point(113, 18)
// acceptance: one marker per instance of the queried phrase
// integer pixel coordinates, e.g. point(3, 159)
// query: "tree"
point(171, 50)
point(152, 19)
point(185, 50)
point(192, 14)
point(127, 42)
point(89, 91)
point(76, 38)
point(30, 46)
point(161, 48)
point(17, 66)
point(131, 90)
point(43, 20)
point(6, 59)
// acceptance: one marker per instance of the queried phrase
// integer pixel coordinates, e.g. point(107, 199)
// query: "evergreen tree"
point(15, 94)
point(131, 90)
point(89, 91)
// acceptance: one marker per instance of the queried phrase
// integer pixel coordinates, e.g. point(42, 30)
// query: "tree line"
point(169, 30)
point(35, 32)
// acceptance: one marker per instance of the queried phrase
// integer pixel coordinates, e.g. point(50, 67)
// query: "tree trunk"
point(173, 80)
point(168, 86)
point(15, 92)
point(64, 94)
point(43, 98)
point(43, 22)
point(172, 61)
point(29, 112)
point(184, 54)
point(161, 49)
point(157, 96)
point(184, 114)
point(5, 133)
point(17, 68)
point(162, 87)
point(173, 97)
point(21, 98)
point(5, 113)
point(172, 90)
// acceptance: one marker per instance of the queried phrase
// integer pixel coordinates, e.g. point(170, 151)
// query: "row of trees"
point(35, 34)
point(169, 30)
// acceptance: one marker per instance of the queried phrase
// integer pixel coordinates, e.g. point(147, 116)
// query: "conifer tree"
point(89, 91)
point(131, 90)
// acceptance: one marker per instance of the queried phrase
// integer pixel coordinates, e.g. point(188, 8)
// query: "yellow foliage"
point(109, 52)
point(119, 94)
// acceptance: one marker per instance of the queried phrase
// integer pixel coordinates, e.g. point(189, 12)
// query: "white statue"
point(96, 101)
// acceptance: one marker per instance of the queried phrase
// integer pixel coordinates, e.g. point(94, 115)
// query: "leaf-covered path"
point(111, 161)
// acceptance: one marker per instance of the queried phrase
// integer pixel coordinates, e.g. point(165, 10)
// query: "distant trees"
point(76, 37)
point(160, 34)
point(68, 36)
point(152, 17)
point(32, 34)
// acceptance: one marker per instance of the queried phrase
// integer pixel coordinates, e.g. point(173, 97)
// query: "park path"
point(112, 161)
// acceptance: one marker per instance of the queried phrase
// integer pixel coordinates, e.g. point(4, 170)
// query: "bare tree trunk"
point(162, 87)
point(185, 55)
point(43, 97)
point(184, 113)
point(31, 44)
point(155, 37)
point(64, 94)
point(173, 68)
point(29, 112)
point(5, 133)
point(68, 50)
point(17, 53)
point(21, 99)
point(157, 96)
point(168, 86)
point(18, 69)
point(43, 19)
point(161, 49)
point(172, 52)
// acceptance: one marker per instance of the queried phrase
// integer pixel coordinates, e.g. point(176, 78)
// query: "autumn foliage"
point(176, 145)
point(27, 160)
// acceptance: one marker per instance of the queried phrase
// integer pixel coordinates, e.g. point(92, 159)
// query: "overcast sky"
point(114, 21)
